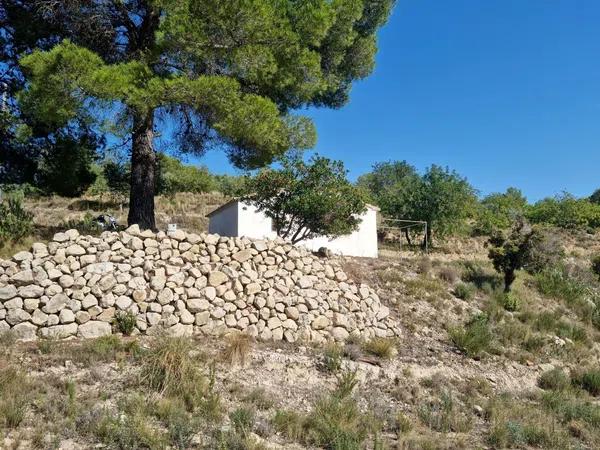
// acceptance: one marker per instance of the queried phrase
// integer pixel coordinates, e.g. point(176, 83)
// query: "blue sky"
point(506, 92)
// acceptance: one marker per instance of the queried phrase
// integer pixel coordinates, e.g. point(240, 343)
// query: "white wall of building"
point(242, 219)
point(254, 224)
point(225, 220)
point(362, 242)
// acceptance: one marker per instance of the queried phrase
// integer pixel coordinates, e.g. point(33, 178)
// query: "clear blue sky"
point(507, 92)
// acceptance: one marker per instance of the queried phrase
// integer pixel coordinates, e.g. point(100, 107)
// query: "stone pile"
point(182, 284)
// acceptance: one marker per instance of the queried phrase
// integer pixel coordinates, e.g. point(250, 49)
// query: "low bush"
point(15, 222)
point(589, 380)
point(465, 291)
point(290, 424)
point(332, 358)
point(444, 415)
point(511, 302)
point(124, 431)
point(125, 322)
point(242, 420)
point(334, 423)
point(474, 338)
point(260, 399)
point(448, 274)
point(554, 379)
point(519, 424)
point(381, 347)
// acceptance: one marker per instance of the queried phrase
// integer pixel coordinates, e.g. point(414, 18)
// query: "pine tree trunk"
point(143, 163)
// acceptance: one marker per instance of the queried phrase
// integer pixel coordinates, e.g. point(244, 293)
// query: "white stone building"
point(237, 218)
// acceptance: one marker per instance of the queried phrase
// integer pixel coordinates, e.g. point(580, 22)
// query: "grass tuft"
point(474, 338)
point(169, 368)
point(238, 349)
point(381, 347)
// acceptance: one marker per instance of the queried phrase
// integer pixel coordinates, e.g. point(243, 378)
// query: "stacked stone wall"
point(183, 284)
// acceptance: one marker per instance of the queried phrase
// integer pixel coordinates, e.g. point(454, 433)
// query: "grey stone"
point(7, 292)
point(217, 278)
point(94, 329)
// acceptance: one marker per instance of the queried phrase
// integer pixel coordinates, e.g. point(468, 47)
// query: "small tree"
point(523, 247)
point(307, 199)
point(444, 200)
point(499, 210)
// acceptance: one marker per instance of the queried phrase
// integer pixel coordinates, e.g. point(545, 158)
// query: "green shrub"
point(588, 380)
point(555, 379)
point(125, 322)
point(15, 222)
point(290, 424)
point(474, 338)
point(125, 431)
point(443, 415)
point(511, 302)
point(565, 211)
point(464, 291)
point(242, 420)
point(333, 356)
point(571, 408)
point(558, 283)
point(259, 398)
point(180, 425)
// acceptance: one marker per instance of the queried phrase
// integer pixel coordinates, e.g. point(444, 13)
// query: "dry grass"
point(188, 210)
point(169, 368)
point(381, 347)
point(238, 349)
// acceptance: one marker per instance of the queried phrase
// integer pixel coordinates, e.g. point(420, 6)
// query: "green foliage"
point(511, 302)
point(392, 185)
point(15, 222)
point(595, 197)
point(66, 169)
point(333, 357)
point(444, 415)
point(465, 291)
point(440, 197)
point(566, 211)
point(523, 247)
point(125, 322)
point(588, 380)
point(117, 177)
point(223, 89)
point(175, 177)
point(242, 420)
point(307, 199)
point(474, 338)
point(500, 210)
point(555, 379)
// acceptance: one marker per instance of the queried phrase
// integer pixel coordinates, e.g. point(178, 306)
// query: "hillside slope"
point(469, 370)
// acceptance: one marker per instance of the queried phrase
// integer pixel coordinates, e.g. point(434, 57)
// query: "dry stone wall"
point(183, 284)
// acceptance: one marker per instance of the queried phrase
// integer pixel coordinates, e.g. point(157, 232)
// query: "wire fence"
point(401, 234)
